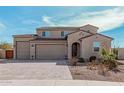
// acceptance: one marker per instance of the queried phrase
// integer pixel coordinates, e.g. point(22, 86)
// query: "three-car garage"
point(48, 51)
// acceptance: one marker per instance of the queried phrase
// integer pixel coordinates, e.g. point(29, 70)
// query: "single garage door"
point(50, 51)
point(23, 50)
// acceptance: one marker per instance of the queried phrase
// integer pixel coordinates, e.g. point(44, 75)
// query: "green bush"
point(109, 59)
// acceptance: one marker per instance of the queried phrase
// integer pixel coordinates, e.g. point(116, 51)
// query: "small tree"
point(109, 59)
point(5, 45)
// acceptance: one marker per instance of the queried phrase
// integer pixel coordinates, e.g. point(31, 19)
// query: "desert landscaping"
point(82, 72)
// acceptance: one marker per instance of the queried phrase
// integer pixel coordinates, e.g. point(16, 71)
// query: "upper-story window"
point(45, 34)
point(63, 33)
point(96, 46)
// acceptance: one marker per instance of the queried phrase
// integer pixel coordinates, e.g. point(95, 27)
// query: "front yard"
point(83, 73)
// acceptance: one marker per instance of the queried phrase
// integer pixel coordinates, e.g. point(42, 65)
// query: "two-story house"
point(60, 43)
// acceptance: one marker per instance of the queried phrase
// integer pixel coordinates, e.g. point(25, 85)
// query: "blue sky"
point(25, 20)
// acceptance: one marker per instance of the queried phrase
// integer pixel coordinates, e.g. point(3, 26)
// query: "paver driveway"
point(34, 70)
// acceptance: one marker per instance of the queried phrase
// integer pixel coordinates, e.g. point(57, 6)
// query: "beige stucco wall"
point(72, 38)
point(87, 45)
point(53, 34)
point(89, 28)
point(2, 54)
point(120, 53)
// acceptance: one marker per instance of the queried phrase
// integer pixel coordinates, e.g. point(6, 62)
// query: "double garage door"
point(50, 51)
point(42, 51)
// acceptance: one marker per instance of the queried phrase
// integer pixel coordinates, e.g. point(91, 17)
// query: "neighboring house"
point(60, 43)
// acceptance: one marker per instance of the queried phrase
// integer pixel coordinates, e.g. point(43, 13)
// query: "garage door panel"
point(50, 51)
point(23, 50)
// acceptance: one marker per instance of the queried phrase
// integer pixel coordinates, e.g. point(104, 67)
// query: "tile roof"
point(38, 39)
point(95, 34)
point(59, 28)
point(25, 35)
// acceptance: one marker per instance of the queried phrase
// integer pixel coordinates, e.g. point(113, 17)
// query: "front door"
point(75, 49)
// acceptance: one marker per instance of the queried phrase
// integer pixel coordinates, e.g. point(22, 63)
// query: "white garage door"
point(23, 50)
point(50, 51)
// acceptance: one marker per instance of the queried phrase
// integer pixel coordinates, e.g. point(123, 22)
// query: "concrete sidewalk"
point(58, 83)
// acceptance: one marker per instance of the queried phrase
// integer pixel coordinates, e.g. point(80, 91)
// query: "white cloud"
point(2, 26)
point(105, 20)
point(30, 22)
point(48, 20)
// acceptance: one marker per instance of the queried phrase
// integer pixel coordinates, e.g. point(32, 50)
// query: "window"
point(64, 33)
point(96, 46)
point(45, 34)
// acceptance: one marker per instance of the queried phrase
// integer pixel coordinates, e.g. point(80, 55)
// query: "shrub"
point(109, 59)
point(81, 60)
point(5, 45)
point(92, 58)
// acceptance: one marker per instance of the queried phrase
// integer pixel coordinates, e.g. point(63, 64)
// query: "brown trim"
point(105, 36)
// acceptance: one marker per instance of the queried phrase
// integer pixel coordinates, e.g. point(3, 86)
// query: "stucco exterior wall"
point(89, 28)
point(87, 45)
point(53, 34)
point(120, 53)
point(2, 54)
point(72, 38)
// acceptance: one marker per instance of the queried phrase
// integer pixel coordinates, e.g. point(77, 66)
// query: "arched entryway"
point(75, 49)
